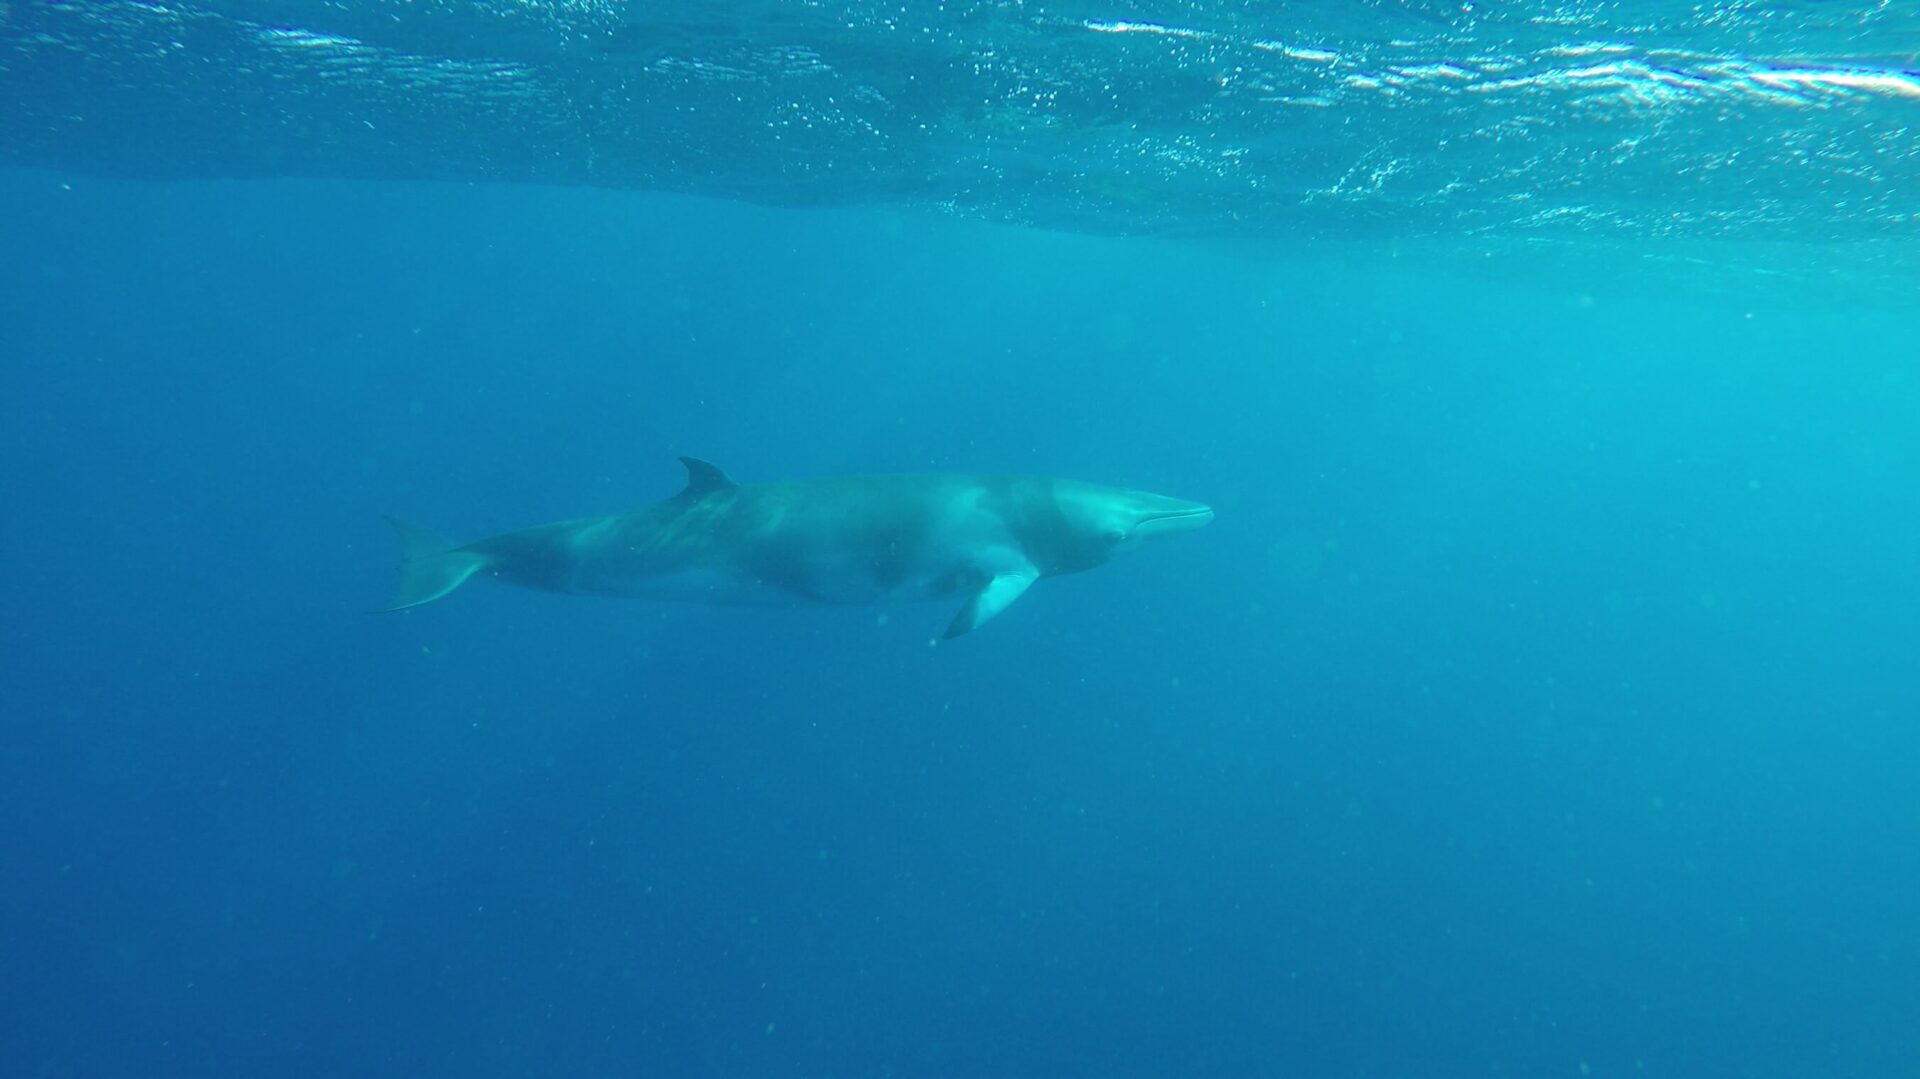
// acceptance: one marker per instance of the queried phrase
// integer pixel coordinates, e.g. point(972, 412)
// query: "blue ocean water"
point(1540, 703)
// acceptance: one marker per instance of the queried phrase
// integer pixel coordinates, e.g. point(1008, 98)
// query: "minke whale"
point(846, 540)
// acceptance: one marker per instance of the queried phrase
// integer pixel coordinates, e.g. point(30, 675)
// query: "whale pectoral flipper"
point(430, 567)
point(997, 596)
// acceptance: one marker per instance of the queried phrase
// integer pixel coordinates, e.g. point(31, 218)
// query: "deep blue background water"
point(1540, 703)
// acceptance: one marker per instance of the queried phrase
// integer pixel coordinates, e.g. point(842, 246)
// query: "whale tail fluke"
point(430, 566)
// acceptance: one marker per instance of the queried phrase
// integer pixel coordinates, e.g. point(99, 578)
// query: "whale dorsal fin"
point(703, 478)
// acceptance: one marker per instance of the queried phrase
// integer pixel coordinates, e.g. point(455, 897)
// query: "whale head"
point(1103, 521)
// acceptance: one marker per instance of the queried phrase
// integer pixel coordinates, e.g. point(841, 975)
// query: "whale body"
point(843, 540)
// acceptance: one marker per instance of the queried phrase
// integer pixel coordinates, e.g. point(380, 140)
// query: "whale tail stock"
point(430, 566)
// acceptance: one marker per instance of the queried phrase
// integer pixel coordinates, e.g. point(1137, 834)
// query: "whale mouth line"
point(1179, 515)
point(1172, 522)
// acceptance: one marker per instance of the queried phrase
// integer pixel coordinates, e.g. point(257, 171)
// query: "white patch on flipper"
point(997, 596)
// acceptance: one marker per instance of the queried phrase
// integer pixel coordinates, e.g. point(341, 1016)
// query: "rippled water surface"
point(1259, 122)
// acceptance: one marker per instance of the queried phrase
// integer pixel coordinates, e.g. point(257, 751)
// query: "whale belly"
point(832, 581)
point(861, 581)
point(697, 584)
